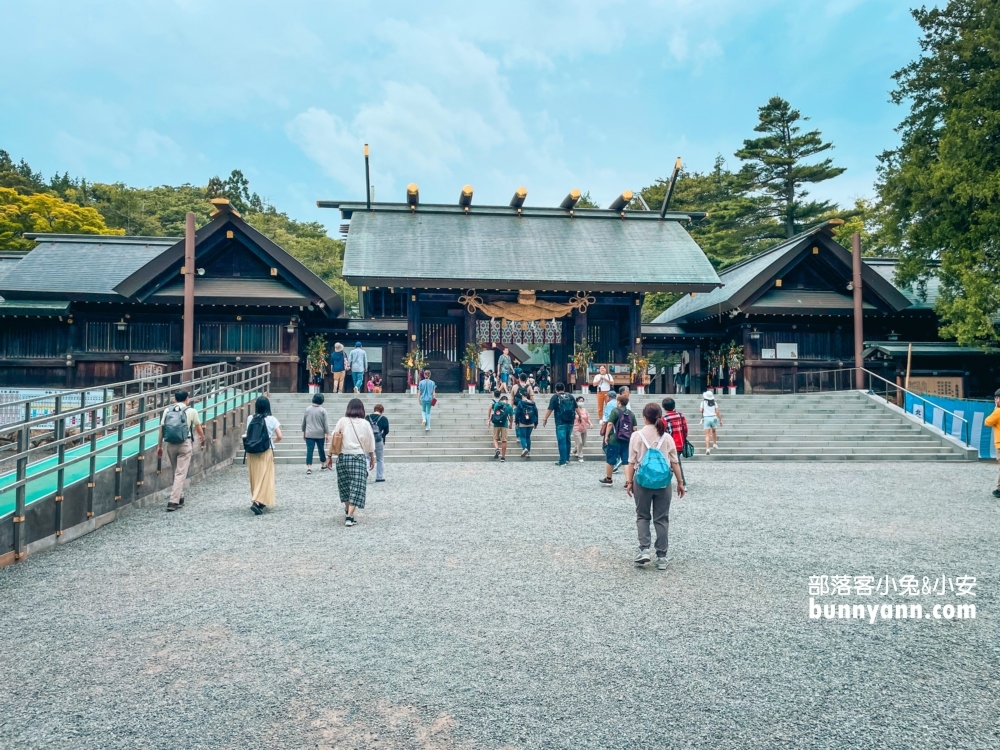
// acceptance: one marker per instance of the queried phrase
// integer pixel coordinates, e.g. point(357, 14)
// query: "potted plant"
point(414, 361)
point(583, 355)
point(639, 364)
point(316, 360)
point(471, 359)
point(734, 361)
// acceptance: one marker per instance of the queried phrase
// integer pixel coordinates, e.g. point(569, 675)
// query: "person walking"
point(263, 432)
point(993, 420)
point(580, 426)
point(380, 430)
point(612, 402)
point(520, 388)
point(337, 367)
point(652, 463)
point(564, 406)
point(676, 425)
point(604, 384)
point(427, 395)
point(355, 459)
point(505, 367)
point(525, 421)
point(376, 383)
point(358, 361)
point(542, 378)
point(711, 419)
point(315, 429)
point(179, 424)
point(499, 419)
point(617, 431)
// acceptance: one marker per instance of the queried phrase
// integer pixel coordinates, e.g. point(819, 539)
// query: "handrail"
point(848, 373)
point(106, 427)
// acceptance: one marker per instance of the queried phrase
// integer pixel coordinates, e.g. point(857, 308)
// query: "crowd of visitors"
point(355, 364)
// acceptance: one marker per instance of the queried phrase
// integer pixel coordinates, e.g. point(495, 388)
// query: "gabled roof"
point(748, 282)
point(499, 247)
point(79, 266)
point(163, 269)
point(922, 297)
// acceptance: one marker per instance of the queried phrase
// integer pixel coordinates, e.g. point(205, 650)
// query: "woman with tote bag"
point(353, 443)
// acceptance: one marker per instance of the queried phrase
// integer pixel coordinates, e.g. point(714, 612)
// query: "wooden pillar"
point(694, 370)
point(635, 325)
point(747, 370)
point(859, 329)
point(579, 327)
point(187, 356)
point(412, 321)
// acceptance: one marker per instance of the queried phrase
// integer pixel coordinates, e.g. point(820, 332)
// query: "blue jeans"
point(311, 445)
point(359, 380)
point(425, 407)
point(524, 435)
point(564, 432)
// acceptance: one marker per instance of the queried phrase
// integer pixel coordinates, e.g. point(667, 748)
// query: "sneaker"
point(324, 467)
point(503, 459)
point(661, 563)
point(527, 454)
point(181, 502)
point(618, 465)
point(642, 558)
point(581, 459)
point(349, 521)
point(605, 482)
point(996, 493)
point(524, 453)
point(427, 429)
point(715, 445)
point(257, 510)
point(708, 451)
point(379, 480)
point(171, 507)
point(496, 453)
point(309, 471)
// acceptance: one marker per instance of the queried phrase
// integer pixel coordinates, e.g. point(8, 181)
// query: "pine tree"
point(776, 170)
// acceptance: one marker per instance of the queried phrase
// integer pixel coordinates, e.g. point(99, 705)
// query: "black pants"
point(314, 443)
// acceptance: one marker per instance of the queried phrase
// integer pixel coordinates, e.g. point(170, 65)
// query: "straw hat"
point(338, 347)
point(708, 396)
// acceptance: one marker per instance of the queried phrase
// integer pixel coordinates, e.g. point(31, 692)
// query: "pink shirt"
point(582, 421)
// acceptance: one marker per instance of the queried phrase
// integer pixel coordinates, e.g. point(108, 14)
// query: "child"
point(370, 385)
point(580, 427)
point(376, 384)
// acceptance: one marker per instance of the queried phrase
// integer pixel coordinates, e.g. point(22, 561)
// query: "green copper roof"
point(585, 251)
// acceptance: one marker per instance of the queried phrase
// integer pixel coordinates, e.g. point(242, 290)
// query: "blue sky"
point(596, 95)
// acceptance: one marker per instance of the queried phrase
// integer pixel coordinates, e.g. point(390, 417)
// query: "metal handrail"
point(852, 371)
point(223, 389)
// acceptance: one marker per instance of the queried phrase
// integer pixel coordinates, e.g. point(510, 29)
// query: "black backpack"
point(499, 416)
point(527, 413)
point(256, 440)
point(565, 408)
point(373, 420)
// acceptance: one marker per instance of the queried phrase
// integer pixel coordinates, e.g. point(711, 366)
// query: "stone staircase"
point(841, 426)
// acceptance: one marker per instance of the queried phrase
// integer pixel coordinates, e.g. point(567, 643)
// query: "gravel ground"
point(488, 605)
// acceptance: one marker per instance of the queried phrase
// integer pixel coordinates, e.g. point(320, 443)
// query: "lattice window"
point(104, 336)
point(239, 338)
point(439, 341)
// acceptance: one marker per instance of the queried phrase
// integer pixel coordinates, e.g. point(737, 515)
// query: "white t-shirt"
point(272, 424)
point(603, 382)
point(709, 408)
point(359, 440)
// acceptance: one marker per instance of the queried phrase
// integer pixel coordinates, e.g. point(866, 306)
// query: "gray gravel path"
point(487, 606)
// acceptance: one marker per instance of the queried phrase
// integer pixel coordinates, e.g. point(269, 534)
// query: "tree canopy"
point(43, 212)
point(775, 170)
point(941, 186)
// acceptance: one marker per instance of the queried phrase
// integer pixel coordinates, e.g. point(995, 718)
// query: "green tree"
point(586, 201)
point(42, 212)
point(776, 172)
point(941, 186)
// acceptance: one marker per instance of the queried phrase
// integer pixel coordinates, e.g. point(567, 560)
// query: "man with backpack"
point(499, 419)
point(178, 425)
point(525, 421)
point(676, 425)
point(617, 431)
point(564, 406)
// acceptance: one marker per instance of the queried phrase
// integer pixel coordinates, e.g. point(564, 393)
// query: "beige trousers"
point(179, 455)
point(338, 382)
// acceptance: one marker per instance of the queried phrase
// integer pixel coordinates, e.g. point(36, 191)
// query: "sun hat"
point(338, 347)
point(708, 396)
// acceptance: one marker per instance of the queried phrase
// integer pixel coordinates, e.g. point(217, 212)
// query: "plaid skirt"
point(352, 478)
